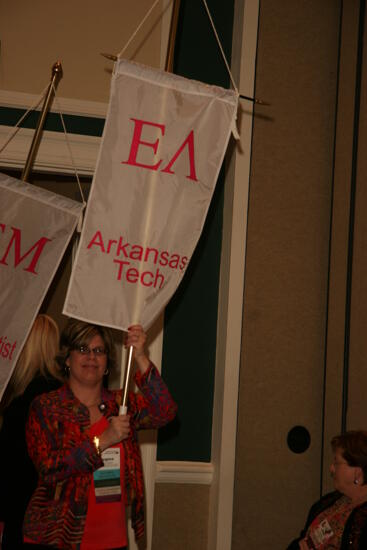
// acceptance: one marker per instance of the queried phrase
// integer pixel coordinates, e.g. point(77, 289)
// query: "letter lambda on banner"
point(16, 239)
point(136, 141)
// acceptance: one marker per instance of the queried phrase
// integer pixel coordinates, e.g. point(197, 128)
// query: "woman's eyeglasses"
point(85, 350)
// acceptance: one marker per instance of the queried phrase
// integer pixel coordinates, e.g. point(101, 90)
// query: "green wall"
point(87, 126)
point(189, 345)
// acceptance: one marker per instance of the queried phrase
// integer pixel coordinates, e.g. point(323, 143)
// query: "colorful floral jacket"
point(65, 457)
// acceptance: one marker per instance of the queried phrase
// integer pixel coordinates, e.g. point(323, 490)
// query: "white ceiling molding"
point(53, 154)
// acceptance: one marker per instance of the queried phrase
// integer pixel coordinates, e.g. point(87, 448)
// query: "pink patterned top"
point(326, 530)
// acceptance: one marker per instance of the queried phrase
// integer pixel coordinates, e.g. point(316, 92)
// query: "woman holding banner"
point(36, 372)
point(87, 455)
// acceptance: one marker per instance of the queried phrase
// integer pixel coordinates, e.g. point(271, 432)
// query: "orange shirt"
point(105, 525)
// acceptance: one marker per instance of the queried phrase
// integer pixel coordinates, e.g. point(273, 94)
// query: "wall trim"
point(232, 276)
point(20, 100)
point(200, 473)
point(53, 154)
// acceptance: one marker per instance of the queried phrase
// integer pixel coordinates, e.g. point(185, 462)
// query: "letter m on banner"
point(163, 145)
point(35, 228)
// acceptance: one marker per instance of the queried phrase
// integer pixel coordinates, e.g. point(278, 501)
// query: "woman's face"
point(344, 475)
point(88, 365)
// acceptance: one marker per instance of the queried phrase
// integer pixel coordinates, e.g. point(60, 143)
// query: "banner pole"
point(55, 77)
point(169, 68)
point(123, 406)
point(172, 36)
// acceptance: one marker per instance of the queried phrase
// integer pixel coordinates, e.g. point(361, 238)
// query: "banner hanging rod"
point(55, 77)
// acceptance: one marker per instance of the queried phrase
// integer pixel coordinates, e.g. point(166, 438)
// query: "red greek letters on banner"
point(15, 243)
point(35, 228)
point(189, 142)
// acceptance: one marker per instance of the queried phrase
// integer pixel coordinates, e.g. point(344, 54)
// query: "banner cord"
point(16, 127)
point(138, 28)
point(220, 47)
point(119, 55)
point(69, 146)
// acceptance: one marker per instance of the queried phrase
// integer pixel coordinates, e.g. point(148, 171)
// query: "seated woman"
point(339, 519)
point(87, 456)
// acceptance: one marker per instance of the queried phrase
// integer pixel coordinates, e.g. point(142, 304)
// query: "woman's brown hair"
point(79, 333)
point(353, 447)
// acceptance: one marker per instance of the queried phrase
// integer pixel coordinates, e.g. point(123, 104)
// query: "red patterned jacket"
point(66, 458)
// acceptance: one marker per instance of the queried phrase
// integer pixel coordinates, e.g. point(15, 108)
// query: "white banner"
point(163, 145)
point(35, 228)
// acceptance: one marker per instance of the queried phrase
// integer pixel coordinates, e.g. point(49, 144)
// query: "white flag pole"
point(125, 380)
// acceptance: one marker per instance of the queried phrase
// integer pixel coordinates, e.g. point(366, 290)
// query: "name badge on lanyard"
point(321, 534)
point(107, 480)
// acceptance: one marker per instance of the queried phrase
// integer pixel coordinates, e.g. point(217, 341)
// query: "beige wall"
point(295, 331)
point(180, 517)
point(286, 281)
point(36, 34)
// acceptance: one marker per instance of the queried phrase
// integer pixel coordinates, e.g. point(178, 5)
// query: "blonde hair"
point(37, 357)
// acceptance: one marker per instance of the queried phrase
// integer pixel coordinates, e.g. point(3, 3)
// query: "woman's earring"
point(67, 370)
point(356, 482)
point(107, 371)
